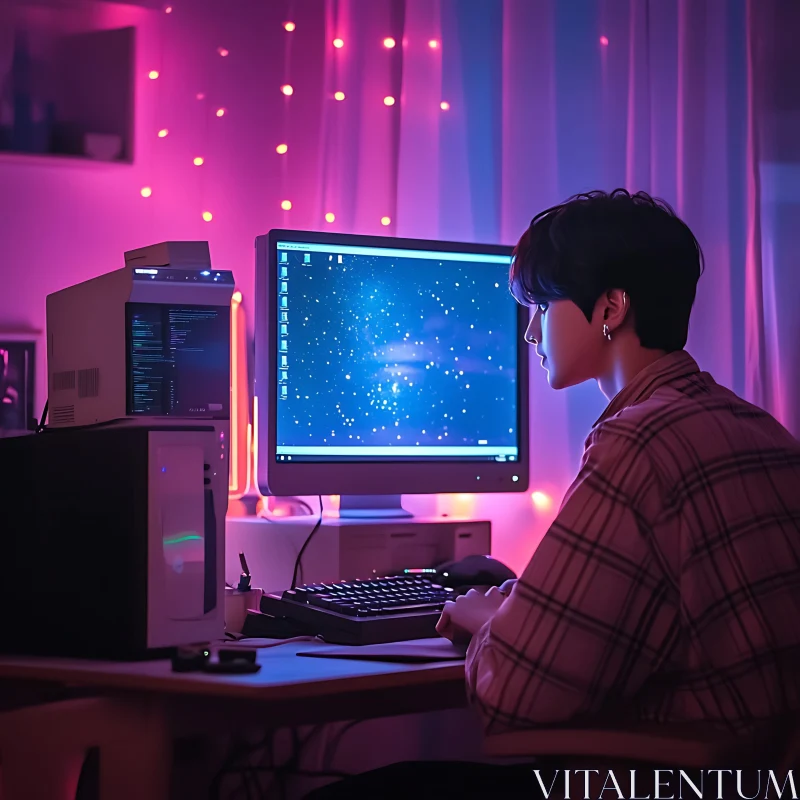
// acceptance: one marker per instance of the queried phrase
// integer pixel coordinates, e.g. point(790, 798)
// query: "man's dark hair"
point(600, 241)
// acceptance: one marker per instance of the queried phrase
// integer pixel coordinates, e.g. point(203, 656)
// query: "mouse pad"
point(413, 651)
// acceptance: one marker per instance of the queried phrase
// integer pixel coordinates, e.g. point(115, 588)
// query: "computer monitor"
point(151, 339)
point(387, 366)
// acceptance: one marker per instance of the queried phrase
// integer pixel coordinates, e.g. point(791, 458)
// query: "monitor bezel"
point(284, 478)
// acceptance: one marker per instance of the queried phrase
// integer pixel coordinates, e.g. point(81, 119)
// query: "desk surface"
point(158, 705)
point(284, 675)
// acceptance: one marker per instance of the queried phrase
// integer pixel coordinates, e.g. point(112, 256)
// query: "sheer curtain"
point(696, 101)
point(691, 101)
point(547, 99)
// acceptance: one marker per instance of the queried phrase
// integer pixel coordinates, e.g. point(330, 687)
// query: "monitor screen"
point(389, 353)
point(178, 360)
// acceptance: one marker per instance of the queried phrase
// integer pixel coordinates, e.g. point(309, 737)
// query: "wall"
point(63, 221)
point(544, 102)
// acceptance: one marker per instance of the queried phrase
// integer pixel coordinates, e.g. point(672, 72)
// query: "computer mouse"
point(473, 571)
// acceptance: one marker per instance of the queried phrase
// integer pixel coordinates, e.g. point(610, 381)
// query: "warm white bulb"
point(330, 217)
point(281, 149)
point(146, 191)
point(208, 216)
point(168, 10)
point(338, 96)
point(162, 133)
point(386, 220)
point(286, 205)
point(388, 101)
point(236, 297)
point(338, 43)
point(153, 74)
point(433, 44)
point(389, 42)
point(541, 501)
point(222, 51)
point(198, 161)
point(221, 112)
point(287, 89)
point(289, 26)
point(444, 105)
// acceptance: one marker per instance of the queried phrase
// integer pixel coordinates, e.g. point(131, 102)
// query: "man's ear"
point(616, 305)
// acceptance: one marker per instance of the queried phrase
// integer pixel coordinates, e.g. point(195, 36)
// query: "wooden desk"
point(157, 704)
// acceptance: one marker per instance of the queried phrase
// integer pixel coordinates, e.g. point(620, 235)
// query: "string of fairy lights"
point(287, 89)
point(542, 501)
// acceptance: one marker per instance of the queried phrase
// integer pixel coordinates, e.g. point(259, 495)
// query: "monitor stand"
point(366, 506)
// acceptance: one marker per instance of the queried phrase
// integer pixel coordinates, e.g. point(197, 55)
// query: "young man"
point(668, 587)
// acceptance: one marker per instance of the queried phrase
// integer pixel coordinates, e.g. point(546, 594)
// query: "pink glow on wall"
point(288, 135)
point(460, 506)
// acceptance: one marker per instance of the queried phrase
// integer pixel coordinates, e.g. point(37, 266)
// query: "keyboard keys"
point(378, 597)
point(322, 601)
point(363, 611)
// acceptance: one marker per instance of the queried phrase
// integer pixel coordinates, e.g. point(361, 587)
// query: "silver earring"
point(606, 332)
point(623, 298)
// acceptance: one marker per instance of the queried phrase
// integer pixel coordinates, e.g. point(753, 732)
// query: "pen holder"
point(236, 606)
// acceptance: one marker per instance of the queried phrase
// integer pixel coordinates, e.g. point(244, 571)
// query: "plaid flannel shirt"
point(668, 587)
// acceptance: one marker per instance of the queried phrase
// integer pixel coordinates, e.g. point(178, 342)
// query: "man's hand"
point(507, 586)
point(464, 617)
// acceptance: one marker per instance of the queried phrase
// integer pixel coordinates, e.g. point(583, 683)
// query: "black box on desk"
point(112, 540)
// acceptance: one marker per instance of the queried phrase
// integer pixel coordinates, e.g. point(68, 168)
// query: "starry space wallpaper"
point(382, 351)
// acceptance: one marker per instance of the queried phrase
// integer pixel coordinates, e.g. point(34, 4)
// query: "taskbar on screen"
point(374, 459)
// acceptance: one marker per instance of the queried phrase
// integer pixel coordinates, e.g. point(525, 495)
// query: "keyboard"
point(362, 612)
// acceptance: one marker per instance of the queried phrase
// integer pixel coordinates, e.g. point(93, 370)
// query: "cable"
point(247, 776)
point(305, 544)
point(244, 644)
point(238, 763)
point(332, 747)
point(291, 767)
point(42, 422)
point(238, 750)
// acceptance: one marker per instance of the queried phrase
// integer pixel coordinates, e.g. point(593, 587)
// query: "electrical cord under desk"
point(250, 773)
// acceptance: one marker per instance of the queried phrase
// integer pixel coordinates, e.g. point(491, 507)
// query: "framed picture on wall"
point(17, 381)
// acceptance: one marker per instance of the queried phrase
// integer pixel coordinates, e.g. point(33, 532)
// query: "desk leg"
point(136, 761)
point(42, 749)
point(38, 771)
